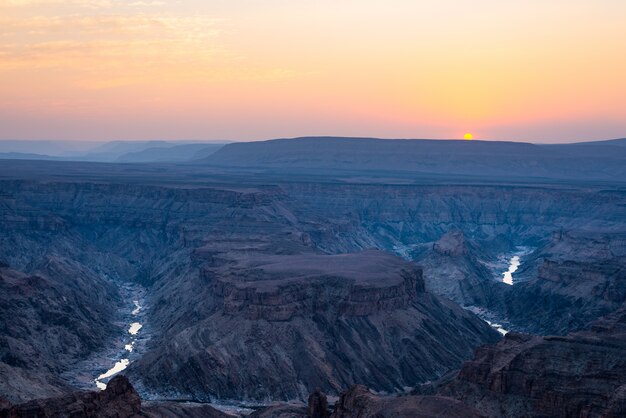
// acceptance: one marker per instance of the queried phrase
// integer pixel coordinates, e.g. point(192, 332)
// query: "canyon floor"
point(358, 293)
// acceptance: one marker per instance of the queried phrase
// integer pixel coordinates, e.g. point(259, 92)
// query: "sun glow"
point(104, 69)
point(468, 137)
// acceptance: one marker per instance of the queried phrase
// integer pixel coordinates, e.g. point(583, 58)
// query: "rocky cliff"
point(233, 311)
point(48, 321)
point(118, 400)
point(279, 326)
point(581, 374)
point(571, 281)
point(452, 269)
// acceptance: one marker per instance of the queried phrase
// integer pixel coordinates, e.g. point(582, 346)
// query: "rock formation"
point(318, 405)
point(276, 327)
point(571, 281)
point(452, 269)
point(47, 322)
point(232, 309)
point(118, 400)
point(581, 374)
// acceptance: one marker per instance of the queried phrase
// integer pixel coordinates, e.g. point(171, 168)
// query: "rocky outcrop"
point(452, 269)
point(224, 327)
point(573, 280)
point(359, 402)
point(279, 326)
point(581, 374)
point(119, 400)
point(311, 284)
point(318, 405)
point(48, 321)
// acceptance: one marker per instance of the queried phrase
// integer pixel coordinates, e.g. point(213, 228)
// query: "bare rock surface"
point(573, 280)
point(279, 326)
point(118, 400)
point(220, 252)
point(318, 405)
point(47, 322)
point(453, 270)
point(581, 374)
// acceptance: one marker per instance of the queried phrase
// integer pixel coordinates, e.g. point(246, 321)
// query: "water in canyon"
point(514, 263)
point(121, 364)
point(507, 276)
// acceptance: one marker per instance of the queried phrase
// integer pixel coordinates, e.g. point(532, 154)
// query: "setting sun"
point(468, 137)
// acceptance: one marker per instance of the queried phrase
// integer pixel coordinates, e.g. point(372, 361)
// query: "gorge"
point(205, 283)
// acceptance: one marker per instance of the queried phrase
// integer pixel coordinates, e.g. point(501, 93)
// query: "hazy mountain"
point(26, 156)
point(602, 161)
point(114, 151)
point(46, 147)
point(620, 142)
point(177, 153)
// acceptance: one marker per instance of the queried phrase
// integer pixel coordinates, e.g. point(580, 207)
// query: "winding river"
point(507, 276)
point(133, 330)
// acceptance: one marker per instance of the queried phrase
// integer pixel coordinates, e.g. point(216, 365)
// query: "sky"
point(531, 70)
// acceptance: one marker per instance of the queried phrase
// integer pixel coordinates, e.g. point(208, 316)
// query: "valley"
point(207, 284)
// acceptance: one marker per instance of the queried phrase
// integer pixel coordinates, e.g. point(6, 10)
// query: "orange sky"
point(255, 69)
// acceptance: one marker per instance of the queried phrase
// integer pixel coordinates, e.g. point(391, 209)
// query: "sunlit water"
point(122, 364)
point(497, 327)
point(507, 276)
point(134, 328)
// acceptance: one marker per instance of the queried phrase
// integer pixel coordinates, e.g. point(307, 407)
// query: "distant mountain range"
point(594, 161)
point(114, 151)
point(603, 160)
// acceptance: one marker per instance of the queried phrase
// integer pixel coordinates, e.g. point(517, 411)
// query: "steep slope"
point(119, 400)
point(581, 374)
point(278, 326)
point(181, 233)
point(574, 279)
point(48, 321)
point(451, 269)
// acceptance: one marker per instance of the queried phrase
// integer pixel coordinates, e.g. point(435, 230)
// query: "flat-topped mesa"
point(278, 288)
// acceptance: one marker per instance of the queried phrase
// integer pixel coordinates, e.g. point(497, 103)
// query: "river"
point(513, 264)
point(130, 342)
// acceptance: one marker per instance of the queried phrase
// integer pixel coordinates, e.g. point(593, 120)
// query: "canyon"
point(259, 288)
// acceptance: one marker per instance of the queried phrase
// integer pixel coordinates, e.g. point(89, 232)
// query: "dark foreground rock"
point(48, 321)
point(118, 400)
point(582, 374)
